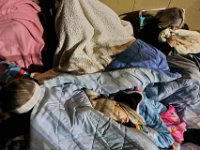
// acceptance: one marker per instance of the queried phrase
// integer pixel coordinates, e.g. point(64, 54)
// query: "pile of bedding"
point(111, 60)
point(76, 125)
point(107, 89)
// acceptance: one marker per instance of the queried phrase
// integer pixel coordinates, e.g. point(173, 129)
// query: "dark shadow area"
point(133, 18)
point(48, 21)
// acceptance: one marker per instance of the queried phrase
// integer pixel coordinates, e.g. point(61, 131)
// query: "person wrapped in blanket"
point(156, 128)
point(173, 18)
point(27, 94)
point(18, 84)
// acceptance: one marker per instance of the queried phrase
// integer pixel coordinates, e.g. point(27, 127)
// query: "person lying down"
point(62, 117)
point(120, 114)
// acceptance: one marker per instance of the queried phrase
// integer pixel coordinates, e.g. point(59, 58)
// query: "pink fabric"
point(21, 32)
point(174, 124)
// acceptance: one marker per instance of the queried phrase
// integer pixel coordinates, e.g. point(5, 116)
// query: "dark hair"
point(169, 16)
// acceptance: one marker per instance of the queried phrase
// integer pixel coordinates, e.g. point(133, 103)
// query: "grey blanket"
point(183, 93)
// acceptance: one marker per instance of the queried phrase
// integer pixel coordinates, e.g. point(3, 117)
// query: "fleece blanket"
point(90, 34)
point(184, 41)
point(21, 33)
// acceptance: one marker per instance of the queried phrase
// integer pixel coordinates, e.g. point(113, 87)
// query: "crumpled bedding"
point(156, 129)
point(21, 33)
point(114, 81)
point(141, 54)
point(65, 119)
point(184, 41)
point(90, 34)
point(182, 93)
point(146, 118)
point(81, 127)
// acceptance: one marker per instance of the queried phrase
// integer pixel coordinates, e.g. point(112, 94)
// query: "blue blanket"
point(65, 119)
point(142, 55)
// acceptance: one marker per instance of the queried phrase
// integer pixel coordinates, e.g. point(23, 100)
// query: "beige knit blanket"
point(90, 35)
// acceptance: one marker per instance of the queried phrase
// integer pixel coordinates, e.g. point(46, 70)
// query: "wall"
point(192, 8)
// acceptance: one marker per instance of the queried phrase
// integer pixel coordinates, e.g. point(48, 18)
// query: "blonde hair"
point(16, 93)
point(168, 17)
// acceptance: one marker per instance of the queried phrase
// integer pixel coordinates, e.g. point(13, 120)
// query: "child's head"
point(171, 17)
point(20, 95)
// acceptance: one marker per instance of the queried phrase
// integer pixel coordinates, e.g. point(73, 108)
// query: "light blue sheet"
point(64, 119)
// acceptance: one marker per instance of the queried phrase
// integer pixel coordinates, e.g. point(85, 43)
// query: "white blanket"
point(184, 41)
point(89, 33)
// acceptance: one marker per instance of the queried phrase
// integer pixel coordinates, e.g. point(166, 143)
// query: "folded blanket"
point(90, 34)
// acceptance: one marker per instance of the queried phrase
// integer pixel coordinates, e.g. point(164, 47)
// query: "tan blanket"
point(90, 34)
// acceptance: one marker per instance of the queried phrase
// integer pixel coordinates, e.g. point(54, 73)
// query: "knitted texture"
point(89, 33)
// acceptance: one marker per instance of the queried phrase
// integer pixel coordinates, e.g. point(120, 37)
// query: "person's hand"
point(164, 35)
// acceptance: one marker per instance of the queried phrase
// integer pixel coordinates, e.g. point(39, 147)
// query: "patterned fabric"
point(174, 124)
point(9, 71)
point(156, 129)
point(183, 93)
